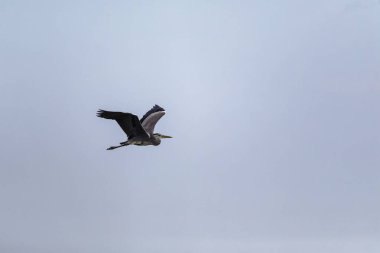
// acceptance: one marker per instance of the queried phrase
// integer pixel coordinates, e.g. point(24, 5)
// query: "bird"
point(139, 132)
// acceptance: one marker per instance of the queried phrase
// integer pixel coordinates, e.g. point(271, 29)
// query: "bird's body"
point(143, 141)
point(139, 132)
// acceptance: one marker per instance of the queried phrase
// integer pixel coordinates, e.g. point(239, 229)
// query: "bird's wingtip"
point(158, 108)
point(99, 112)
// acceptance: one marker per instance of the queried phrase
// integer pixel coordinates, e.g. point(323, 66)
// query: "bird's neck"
point(155, 140)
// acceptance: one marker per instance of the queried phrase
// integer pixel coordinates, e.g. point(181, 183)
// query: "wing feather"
point(127, 121)
point(150, 119)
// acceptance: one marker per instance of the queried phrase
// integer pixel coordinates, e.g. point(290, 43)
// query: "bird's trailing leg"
point(113, 147)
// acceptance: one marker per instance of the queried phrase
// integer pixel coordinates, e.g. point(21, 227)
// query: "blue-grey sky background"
point(274, 106)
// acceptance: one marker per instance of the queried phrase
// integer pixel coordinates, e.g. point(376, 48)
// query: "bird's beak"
point(165, 136)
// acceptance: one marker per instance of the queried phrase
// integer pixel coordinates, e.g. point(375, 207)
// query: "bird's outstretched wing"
point(150, 119)
point(127, 121)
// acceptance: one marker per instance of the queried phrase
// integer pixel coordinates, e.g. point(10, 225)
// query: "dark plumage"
point(127, 121)
point(155, 108)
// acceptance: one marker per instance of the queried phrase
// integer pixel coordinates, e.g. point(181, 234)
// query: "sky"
point(273, 105)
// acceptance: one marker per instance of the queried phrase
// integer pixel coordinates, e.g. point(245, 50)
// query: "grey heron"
point(139, 132)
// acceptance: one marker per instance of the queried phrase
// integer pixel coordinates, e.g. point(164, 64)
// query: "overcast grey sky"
point(274, 106)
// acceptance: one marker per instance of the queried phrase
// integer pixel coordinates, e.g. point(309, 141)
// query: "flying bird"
point(139, 132)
